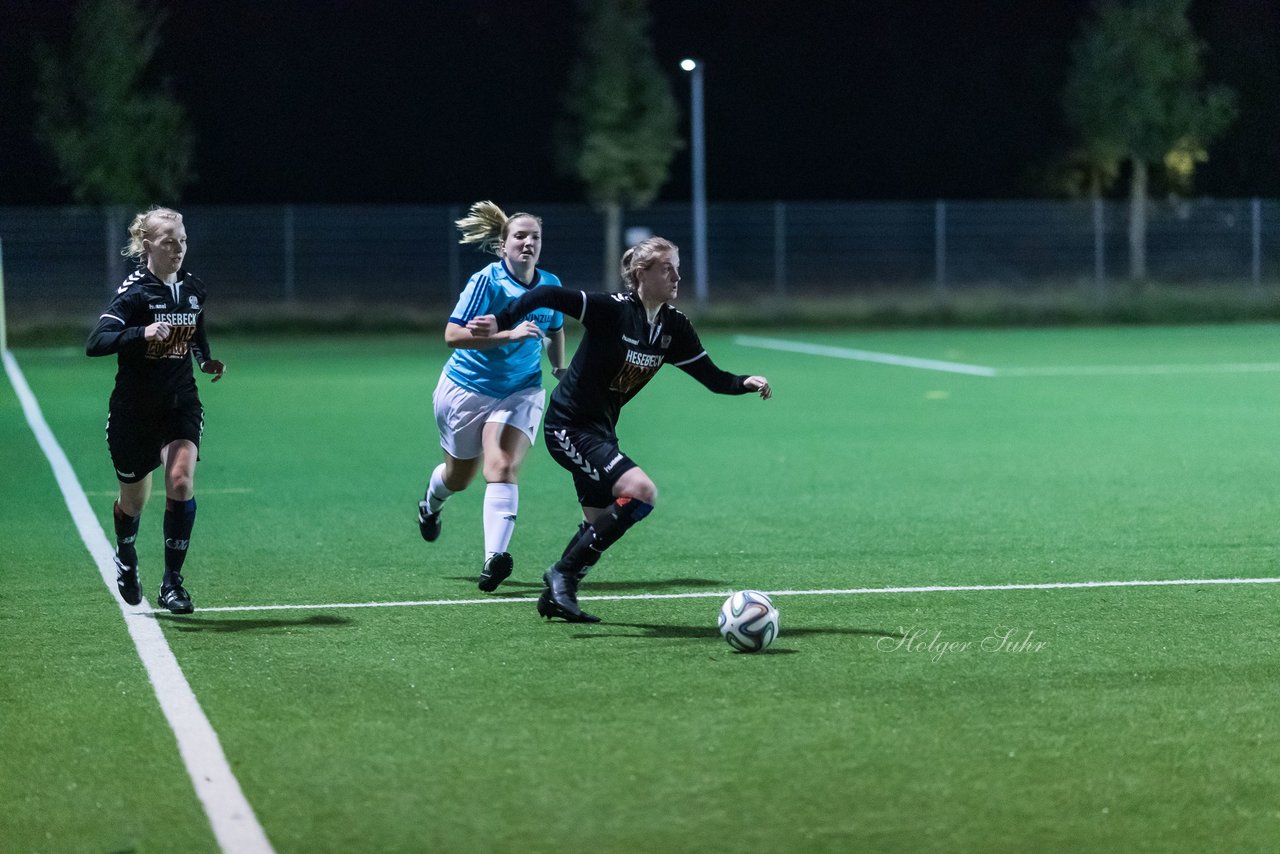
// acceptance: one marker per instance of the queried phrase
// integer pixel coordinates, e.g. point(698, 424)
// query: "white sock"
point(501, 501)
point(437, 492)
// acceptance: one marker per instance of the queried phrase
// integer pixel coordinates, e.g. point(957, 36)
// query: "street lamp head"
point(688, 64)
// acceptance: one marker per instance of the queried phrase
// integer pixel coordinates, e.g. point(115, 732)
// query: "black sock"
point(607, 529)
point(573, 541)
point(179, 517)
point(126, 535)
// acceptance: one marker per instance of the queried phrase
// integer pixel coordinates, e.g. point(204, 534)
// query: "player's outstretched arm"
point(721, 381)
point(561, 299)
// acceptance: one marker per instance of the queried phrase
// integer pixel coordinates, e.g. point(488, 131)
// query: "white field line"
point(1141, 370)
point(986, 371)
point(863, 356)
point(712, 594)
point(234, 824)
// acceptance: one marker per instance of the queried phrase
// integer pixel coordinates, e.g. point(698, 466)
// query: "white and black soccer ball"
point(748, 621)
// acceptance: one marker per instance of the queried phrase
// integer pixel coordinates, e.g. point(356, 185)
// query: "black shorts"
point(137, 432)
point(593, 458)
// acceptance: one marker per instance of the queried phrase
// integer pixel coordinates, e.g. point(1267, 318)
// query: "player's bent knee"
point(458, 474)
point(180, 484)
point(132, 507)
point(501, 472)
point(639, 488)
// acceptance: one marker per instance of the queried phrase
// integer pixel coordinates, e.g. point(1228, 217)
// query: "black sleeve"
point(705, 371)
point(200, 339)
point(555, 297)
point(200, 343)
point(112, 332)
point(687, 354)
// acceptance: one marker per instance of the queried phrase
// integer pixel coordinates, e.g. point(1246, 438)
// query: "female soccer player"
point(489, 399)
point(155, 325)
point(628, 338)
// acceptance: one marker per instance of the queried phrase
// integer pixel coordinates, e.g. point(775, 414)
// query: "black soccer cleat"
point(127, 582)
point(496, 569)
point(560, 597)
point(428, 523)
point(175, 597)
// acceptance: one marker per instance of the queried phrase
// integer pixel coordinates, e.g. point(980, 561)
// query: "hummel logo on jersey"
point(631, 340)
point(613, 462)
point(161, 307)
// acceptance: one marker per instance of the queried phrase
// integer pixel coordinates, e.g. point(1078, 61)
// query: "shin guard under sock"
point(501, 503)
point(607, 529)
point(437, 493)
point(179, 518)
point(583, 527)
point(126, 535)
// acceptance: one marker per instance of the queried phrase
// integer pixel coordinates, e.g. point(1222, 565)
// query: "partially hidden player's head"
point(158, 239)
point(651, 268)
point(508, 237)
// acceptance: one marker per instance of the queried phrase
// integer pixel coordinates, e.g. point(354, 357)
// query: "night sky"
point(321, 101)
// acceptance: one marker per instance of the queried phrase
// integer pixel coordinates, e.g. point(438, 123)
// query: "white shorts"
point(461, 416)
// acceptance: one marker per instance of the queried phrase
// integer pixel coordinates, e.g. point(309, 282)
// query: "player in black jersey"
point(155, 325)
point(628, 337)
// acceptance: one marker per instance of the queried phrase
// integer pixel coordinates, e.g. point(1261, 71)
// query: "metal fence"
point(410, 254)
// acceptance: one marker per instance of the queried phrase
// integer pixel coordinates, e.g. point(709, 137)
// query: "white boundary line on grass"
point(863, 356)
point(712, 594)
point(1141, 370)
point(986, 371)
point(232, 818)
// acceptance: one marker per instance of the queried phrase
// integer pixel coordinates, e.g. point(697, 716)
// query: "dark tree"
point(1135, 93)
point(116, 137)
point(621, 127)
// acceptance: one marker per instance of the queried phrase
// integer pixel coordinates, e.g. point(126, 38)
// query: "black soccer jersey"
point(620, 352)
point(151, 371)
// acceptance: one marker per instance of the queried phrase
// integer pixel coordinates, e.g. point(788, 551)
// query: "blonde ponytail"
point(485, 225)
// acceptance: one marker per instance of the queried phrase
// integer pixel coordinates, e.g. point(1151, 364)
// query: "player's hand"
point(483, 326)
point(759, 384)
point(157, 331)
point(213, 366)
point(527, 329)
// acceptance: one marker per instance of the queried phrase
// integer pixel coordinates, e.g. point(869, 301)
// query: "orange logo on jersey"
point(182, 327)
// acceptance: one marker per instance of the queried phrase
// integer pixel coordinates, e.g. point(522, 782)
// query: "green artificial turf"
point(1104, 718)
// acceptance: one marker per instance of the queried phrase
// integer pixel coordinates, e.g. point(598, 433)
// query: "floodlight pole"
point(694, 67)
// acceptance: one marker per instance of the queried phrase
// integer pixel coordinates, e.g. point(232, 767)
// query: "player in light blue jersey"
point(489, 400)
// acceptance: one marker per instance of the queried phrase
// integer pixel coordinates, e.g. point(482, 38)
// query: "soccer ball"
point(748, 621)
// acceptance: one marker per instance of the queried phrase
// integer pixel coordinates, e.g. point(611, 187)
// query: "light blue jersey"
point(500, 371)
